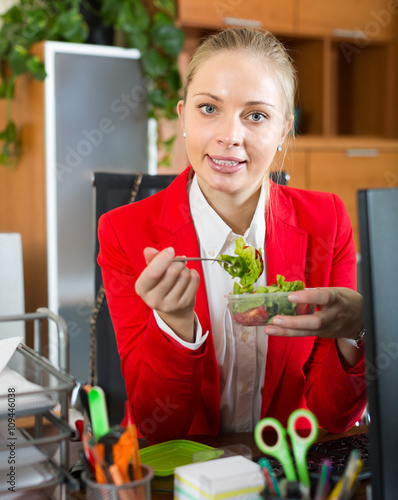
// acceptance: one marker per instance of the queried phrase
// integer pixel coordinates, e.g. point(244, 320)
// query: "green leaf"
point(71, 27)
point(154, 64)
point(9, 157)
point(4, 45)
point(142, 19)
point(168, 37)
point(138, 41)
point(36, 67)
point(18, 59)
point(13, 15)
point(162, 18)
point(173, 80)
point(110, 11)
point(36, 22)
point(167, 6)
point(133, 17)
point(9, 134)
point(157, 98)
point(171, 105)
point(7, 88)
point(170, 142)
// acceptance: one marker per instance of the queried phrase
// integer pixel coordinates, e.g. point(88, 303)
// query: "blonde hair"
point(255, 42)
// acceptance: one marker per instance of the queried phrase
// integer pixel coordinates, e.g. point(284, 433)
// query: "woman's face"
point(233, 118)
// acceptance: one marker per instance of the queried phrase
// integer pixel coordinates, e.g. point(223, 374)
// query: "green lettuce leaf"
point(248, 266)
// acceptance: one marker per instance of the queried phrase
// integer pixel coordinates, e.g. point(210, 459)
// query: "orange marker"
point(137, 471)
point(101, 469)
point(122, 453)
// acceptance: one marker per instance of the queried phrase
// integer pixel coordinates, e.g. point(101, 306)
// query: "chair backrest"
point(113, 190)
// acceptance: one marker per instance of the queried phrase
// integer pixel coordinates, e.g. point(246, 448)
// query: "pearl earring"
point(280, 147)
point(184, 135)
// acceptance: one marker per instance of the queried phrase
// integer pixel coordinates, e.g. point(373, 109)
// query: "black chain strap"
point(100, 300)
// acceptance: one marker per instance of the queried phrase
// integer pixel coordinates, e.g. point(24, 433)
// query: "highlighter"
point(98, 412)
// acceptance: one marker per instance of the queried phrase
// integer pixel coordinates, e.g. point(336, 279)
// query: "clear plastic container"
point(258, 309)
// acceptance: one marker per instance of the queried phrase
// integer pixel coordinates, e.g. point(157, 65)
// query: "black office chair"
point(111, 191)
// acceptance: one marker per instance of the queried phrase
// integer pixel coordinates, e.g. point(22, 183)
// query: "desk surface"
point(162, 487)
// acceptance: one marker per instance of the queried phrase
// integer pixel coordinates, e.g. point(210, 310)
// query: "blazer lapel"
point(178, 222)
point(286, 247)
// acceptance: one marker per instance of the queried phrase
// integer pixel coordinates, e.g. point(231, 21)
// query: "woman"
point(188, 369)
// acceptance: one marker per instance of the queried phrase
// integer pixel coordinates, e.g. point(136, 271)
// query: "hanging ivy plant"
point(147, 26)
point(150, 27)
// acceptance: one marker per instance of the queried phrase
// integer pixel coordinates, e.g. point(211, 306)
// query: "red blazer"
point(174, 391)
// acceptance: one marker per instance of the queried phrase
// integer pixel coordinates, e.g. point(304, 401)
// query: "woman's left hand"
point(339, 315)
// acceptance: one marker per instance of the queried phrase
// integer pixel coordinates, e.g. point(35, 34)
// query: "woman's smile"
point(226, 165)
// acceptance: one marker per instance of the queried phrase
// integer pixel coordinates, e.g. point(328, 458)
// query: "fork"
point(184, 259)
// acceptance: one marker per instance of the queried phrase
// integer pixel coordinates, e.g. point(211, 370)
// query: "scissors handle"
point(301, 444)
point(279, 450)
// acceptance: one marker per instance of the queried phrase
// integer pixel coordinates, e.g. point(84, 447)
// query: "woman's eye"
point(208, 109)
point(257, 117)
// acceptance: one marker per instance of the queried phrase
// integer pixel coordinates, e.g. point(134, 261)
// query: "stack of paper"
point(224, 478)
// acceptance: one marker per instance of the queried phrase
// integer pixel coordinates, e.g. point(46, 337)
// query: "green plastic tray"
point(165, 457)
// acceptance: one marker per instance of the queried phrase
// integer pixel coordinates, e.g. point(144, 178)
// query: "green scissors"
point(280, 450)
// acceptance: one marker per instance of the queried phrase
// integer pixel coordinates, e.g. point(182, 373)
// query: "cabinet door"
point(219, 13)
point(295, 164)
point(374, 18)
point(335, 172)
point(22, 191)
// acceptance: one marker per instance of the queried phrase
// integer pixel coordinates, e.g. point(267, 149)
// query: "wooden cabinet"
point(344, 92)
point(295, 163)
point(347, 82)
point(344, 166)
point(361, 20)
point(277, 16)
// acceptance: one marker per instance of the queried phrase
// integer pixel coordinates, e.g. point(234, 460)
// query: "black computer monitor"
point(378, 222)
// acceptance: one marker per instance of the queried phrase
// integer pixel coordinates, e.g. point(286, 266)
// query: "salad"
point(255, 307)
point(248, 266)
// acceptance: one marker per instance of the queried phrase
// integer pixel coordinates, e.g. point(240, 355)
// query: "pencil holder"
point(135, 490)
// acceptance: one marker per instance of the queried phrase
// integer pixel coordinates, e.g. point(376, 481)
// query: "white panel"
point(96, 120)
point(12, 300)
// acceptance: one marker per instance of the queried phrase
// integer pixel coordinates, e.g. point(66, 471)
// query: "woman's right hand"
point(170, 289)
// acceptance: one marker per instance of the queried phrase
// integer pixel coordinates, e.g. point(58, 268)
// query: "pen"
point(79, 424)
point(270, 478)
point(348, 486)
point(341, 487)
point(324, 478)
point(87, 451)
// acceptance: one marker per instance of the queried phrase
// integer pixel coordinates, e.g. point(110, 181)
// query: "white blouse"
point(240, 351)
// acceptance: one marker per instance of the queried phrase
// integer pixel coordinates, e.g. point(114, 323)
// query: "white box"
point(223, 478)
